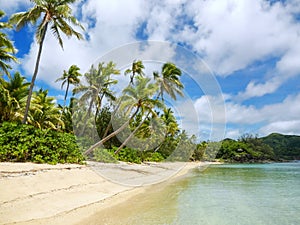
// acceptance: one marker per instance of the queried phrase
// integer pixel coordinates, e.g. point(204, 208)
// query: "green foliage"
point(184, 149)
point(70, 77)
point(104, 127)
point(25, 143)
point(211, 151)
point(12, 95)
point(167, 147)
point(7, 48)
point(285, 147)
point(104, 155)
point(169, 81)
point(128, 155)
point(149, 156)
point(247, 149)
point(199, 152)
point(44, 113)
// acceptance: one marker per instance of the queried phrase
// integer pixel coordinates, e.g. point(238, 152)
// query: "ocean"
point(235, 194)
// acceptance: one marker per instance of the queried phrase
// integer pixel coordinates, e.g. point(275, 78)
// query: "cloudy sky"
point(250, 47)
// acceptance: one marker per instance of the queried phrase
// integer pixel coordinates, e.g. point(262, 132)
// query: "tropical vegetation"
point(56, 15)
point(97, 122)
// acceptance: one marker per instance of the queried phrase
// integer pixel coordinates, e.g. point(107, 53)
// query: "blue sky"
point(252, 48)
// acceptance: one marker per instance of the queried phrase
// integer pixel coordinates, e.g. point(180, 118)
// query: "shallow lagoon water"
point(259, 194)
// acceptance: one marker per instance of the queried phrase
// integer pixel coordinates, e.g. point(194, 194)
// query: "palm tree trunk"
point(99, 106)
point(131, 135)
point(36, 69)
point(112, 134)
point(66, 95)
point(110, 122)
point(158, 147)
point(132, 77)
point(86, 118)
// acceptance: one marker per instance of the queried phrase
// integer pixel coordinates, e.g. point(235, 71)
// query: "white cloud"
point(289, 66)
point(293, 6)
point(54, 60)
point(259, 89)
point(10, 6)
point(291, 127)
point(288, 110)
point(233, 134)
point(114, 23)
point(281, 116)
point(234, 34)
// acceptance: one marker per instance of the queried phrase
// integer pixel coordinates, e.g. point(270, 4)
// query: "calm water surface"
point(221, 194)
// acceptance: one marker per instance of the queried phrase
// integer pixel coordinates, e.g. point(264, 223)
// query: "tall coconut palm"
point(135, 99)
point(169, 81)
point(43, 111)
point(145, 103)
point(171, 126)
point(70, 77)
point(98, 86)
point(6, 47)
point(170, 122)
point(55, 14)
point(136, 68)
point(13, 93)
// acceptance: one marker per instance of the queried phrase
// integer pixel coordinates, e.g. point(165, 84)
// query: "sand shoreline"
point(67, 194)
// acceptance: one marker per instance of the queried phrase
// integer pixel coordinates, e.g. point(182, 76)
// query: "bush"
point(104, 155)
point(152, 157)
point(128, 155)
point(25, 143)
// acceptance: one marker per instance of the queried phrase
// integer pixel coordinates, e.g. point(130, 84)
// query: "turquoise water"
point(254, 194)
point(242, 194)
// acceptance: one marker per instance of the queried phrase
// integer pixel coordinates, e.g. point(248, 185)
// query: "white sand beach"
point(67, 194)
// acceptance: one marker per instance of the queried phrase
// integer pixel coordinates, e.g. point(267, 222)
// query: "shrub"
point(128, 155)
point(25, 143)
point(104, 155)
point(152, 157)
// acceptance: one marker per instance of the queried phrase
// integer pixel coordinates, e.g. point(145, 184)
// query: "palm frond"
point(56, 34)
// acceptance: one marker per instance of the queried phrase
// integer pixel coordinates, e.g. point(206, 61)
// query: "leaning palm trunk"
point(36, 69)
point(131, 135)
point(110, 121)
point(112, 134)
point(135, 130)
point(85, 119)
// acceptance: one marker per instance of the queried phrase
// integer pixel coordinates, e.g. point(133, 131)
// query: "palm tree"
point(43, 111)
point(169, 81)
point(57, 15)
point(136, 68)
point(13, 94)
point(171, 126)
point(98, 86)
point(145, 103)
point(6, 48)
point(135, 99)
point(170, 122)
point(70, 77)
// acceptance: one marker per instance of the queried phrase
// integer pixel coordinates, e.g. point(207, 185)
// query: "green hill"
point(249, 148)
point(284, 146)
